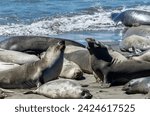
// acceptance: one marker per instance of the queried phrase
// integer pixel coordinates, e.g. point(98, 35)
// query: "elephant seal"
point(132, 17)
point(111, 72)
point(62, 89)
point(140, 85)
point(135, 43)
point(80, 56)
point(36, 73)
point(16, 57)
point(143, 30)
point(6, 66)
point(33, 44)
point(71, 70)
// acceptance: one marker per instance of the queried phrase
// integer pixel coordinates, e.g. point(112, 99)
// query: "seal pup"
point(33, 44)
point(140, 85)
point(6, 66)
point(62, 89)
point(16, 57)
point(111, 72)
point(132, 17)
point(134, 44)
point(71, 70)
point(36, 73)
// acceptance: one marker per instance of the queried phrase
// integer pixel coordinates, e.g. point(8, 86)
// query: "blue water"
point(72, 19)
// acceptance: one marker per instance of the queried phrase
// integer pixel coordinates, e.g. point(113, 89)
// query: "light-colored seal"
point(111, 72)
point(16, 57)
point(33, 44)
point(62, 89)
point(71, 70)
point(135, 43)
point(6, 66)
point(141, 85)
point(132, 17)
point(44, 70)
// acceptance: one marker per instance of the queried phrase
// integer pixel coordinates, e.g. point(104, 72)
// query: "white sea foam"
point(81, 22)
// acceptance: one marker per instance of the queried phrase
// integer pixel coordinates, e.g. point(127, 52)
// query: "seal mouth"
point(61, 45)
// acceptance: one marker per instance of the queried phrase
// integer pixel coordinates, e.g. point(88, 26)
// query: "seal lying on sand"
point(35, 44)
point(71, 70)
point(16, 57)
point(132, 17)
point(135, 43)
point(111, 72)
point(44, 70)
point(62, 89)
point(141, 85)
point(6, 66)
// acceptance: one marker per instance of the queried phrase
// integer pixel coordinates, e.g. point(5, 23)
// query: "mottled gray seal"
point(135, 43)
point(6, 66)
point(16, 57)
point(44, 70)
point(62, 89)
point(141, 85)
point(35, 44)
point(132, 17)
point(111, 72)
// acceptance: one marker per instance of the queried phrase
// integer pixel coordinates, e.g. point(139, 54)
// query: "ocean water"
point(70, 19)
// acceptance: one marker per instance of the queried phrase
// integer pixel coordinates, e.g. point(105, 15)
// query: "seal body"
point(111, 72)
point(80, 56)
point(61, 89)
point(35, 44)
point(135, 43)
point(143, 57)
point(6, 66)
point(132, 17)
point(71, 70)
point(32, 74)
point(141, 85)
point(16, 57)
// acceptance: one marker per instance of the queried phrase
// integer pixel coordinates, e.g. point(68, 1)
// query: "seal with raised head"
point(41, 71)
point(140, 85)
point(62, 89)
point(132, 17)
point(16, 57)
point(33, 44)
point(111, 72)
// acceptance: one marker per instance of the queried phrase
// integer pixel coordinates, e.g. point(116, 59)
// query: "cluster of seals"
point(36, 73)
point(111, 72)
point(67, 89)
point(132, 17)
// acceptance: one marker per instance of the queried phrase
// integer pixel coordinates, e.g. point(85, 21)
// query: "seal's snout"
point(86, 94)
point(61, 44)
